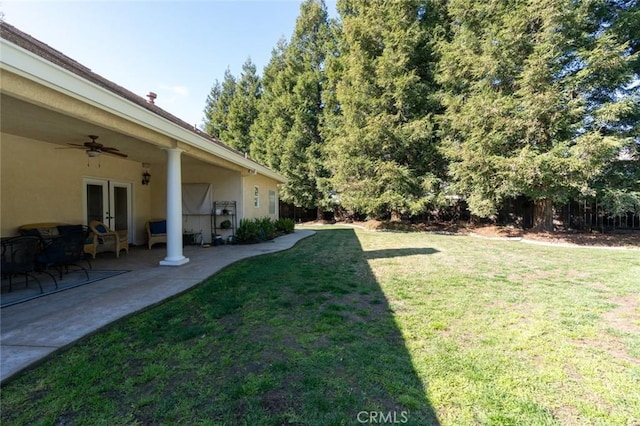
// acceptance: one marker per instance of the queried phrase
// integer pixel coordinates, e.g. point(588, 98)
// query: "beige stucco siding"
point(226, 186)
point(44, 182)
point(39, 182)
point(264, 185)
point(226, 183)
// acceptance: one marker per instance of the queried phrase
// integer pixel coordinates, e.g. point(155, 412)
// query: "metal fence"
point(583, 215)
point(591, 215)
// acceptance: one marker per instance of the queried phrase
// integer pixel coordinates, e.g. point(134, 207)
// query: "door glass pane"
point(120, 208)
point(95, 207)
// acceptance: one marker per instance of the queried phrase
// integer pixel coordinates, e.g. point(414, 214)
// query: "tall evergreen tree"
point(304, 146)
point(383, 141)
point(217, 107)
point(289, 126)
point(243, 108)
point(209, 108)
point(274, 111)
point(534, 100)
point(618, 188)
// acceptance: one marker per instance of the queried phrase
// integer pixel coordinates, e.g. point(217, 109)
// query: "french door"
point(109, 202)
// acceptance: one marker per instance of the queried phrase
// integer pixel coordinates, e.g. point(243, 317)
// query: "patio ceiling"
point(28, 120)
point(25, 119)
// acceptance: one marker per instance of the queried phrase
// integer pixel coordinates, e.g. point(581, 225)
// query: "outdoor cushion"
point(43, 230)
point(109, 240)
point(156, 231)
point(158, 227)
point(48, 232)
point(30, 232)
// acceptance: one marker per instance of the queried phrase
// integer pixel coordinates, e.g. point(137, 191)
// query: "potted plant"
point(225, 224)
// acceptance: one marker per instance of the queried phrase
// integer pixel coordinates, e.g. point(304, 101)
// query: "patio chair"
point(156, 231)
point(76, 237)
point(51, 255)
point(19, 258)
point(109, 240)
point(90, 243)
point(63, 251)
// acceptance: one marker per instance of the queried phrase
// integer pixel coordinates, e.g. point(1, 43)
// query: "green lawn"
point(353, 326)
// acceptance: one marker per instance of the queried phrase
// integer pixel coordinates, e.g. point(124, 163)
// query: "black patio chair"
point(19, 258)
point(52, 255)
point(64, 251)
point(89, 238)
point(75, 236)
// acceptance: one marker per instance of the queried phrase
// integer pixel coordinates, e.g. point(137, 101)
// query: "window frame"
point(272, 201)
point(256, 196)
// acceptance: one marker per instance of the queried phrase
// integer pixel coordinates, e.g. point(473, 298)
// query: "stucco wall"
point(39, 182)
point(264, 185)
point(226, 185)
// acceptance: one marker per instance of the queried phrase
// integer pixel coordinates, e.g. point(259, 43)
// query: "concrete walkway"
point(32, 330)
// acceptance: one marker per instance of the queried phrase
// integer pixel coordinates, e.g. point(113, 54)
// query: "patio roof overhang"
point(45, 101)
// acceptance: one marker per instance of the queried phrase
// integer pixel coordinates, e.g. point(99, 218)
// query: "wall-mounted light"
point(146, 177)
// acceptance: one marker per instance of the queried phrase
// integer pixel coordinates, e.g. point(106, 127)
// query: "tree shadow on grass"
point(304, 336)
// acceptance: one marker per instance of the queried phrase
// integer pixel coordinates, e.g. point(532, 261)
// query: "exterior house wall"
point(39, 182)
point(264, 185)
point(225, 183)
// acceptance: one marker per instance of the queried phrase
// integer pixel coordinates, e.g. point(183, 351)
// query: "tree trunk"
point(543, 214)
point(319, 211)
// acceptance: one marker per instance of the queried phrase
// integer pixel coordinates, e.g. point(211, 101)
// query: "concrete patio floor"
point(31, 331)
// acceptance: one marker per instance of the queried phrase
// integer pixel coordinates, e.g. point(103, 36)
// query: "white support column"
point(174, 210)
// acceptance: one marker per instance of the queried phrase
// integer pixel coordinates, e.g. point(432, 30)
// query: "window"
point(272, 202)
point(256, 197)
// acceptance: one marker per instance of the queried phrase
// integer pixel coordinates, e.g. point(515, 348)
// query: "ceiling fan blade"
point(72, 145)
point(113, 151)
point(95, 148)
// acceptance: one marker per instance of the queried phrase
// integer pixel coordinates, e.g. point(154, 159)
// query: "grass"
point(353, 326)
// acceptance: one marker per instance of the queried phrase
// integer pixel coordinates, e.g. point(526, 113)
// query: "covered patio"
point(76, 147)
point(32, 330)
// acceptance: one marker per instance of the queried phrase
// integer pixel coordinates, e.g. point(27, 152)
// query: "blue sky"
point(175, 49)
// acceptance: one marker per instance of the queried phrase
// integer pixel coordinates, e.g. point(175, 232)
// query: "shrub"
point(285, 225)
point(248, 232)
point(267, 228)
point(254, 230)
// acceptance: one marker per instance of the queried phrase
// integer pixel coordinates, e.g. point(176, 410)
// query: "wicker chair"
point(91, 243)
point(109, 240)
point(156, 231)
